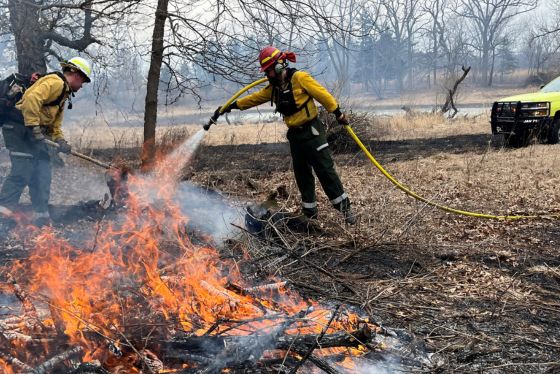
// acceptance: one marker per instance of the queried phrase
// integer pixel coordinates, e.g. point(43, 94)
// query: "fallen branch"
point(323, 365)
point(212, 345)
point(31, 317)
point(49, 365)
point(10, 360)
point(317, 342)
point(449, 101)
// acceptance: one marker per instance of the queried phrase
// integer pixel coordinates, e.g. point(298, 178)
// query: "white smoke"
point(209, 211)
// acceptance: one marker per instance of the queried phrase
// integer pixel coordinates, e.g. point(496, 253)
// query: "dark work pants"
point(310, 151)
point(30, 167)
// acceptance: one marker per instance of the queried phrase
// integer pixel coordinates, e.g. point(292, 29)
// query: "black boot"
point(346, 210)
point(311, 213)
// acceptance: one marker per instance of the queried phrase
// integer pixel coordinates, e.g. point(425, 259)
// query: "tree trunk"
point(484, 67)
point(491, 76)
point(25, 26)
point(410, 58)
point(449, 101)
point(150, 114)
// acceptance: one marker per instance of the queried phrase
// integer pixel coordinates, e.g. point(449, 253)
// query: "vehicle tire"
point(515, 140)
point(554, 133)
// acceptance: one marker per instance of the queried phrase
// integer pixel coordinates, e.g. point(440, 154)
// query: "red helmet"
point(268, 57)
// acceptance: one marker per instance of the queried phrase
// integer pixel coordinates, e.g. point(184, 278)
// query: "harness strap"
point(58, 100)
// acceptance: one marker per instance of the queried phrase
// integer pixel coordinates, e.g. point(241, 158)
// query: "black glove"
point(39, 146)
point(217, 114)
point(63, 146)
point(37, 134)
point(231, 106)
point(341, 117)
point(343, 120)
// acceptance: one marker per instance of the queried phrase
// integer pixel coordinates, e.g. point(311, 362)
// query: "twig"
point(48, 365)
point(31, 316)
point(323, 365)
point(317, 342)
point(358, 250)
point(522, 364)
point(15, 362)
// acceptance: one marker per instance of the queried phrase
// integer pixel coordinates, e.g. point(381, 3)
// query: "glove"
point(341, 117)
point(63, 146)
point(231, 106)
point(37, 134)
point(343, 120)
point(217, 114)
point(39, 146)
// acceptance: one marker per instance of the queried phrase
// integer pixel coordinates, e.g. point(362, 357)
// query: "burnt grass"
point(481, 295)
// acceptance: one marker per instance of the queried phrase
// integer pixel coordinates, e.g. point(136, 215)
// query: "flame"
point(141, 274)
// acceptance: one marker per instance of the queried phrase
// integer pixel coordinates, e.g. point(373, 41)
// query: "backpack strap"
point(58, 100)
point(276, 89)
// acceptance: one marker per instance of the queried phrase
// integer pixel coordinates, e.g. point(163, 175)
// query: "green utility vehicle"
point(522, 117)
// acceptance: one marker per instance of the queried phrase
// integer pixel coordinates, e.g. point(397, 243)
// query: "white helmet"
point(80, 64)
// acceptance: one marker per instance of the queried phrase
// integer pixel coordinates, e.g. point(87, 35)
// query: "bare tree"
point(402, 21)
point(156, 60)
point(489, 19)
point(39, 28)
point(338, 31)
point(437, 11)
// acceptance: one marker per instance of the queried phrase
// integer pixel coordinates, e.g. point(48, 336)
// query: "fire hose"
point(392, 179)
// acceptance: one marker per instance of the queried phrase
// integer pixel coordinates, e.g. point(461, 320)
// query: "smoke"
point(206, 210)
point(209, 211)
point(387, 366)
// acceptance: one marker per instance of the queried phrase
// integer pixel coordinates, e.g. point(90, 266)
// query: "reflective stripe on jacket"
point(303, 86)
point(34, 104)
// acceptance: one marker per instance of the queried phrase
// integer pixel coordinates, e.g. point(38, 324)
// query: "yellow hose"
point(223, 108)
point(413, 194)
point(398, 184)
point(240, 92)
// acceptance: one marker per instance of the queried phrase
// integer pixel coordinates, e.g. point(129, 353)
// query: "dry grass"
point(404, 126)
point(481, 294)
point(428, 125)
point(467, 95)
point(104, 137)
point(223, 134)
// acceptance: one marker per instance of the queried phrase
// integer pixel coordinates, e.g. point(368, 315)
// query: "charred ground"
point(480, 294)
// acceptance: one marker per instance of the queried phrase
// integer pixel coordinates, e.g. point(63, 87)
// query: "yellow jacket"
point(36, 112)
point(303, 87)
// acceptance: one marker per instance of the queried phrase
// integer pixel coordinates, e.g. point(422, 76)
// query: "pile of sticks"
point(279, 347)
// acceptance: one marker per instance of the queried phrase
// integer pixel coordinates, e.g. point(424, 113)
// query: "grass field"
point(480, 295)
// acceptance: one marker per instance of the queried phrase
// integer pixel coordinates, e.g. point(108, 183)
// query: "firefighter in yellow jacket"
point(42, 110)
point(293, 93)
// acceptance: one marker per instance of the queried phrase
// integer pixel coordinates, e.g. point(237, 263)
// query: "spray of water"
point(207, 210)
point(171, 166)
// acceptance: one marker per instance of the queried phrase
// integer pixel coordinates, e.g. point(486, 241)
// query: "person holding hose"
point(41, 110)
point(293, 92)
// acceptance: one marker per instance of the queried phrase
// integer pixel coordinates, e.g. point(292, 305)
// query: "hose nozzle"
point(212, 120)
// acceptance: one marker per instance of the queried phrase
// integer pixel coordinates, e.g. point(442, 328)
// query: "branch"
point(77, 44)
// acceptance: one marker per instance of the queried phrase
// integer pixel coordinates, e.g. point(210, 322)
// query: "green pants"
point(30, 167)
point(310, 152)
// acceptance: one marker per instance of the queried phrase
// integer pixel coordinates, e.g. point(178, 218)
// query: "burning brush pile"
point(141, 296)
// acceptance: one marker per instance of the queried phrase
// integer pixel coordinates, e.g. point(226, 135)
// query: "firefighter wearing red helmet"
point(294, 92)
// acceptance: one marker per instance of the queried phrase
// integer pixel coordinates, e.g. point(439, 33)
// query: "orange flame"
point(142, 274)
